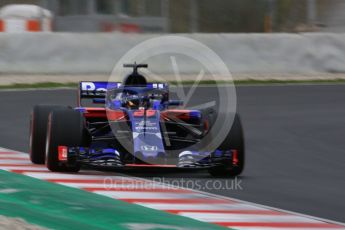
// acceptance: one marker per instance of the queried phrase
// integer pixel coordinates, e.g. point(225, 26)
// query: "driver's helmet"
point(134, 101)
point(134, 79)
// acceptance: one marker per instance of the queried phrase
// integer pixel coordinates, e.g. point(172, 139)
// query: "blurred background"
point(252, 37)
point(185, 16)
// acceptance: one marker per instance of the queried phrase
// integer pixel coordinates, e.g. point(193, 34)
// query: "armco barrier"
point(243, 53)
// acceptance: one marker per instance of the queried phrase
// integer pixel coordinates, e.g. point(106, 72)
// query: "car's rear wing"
point(98, 89)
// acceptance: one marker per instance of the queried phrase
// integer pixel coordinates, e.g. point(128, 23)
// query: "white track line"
point(11, 162)
point(261, 206)
point(275, 228)
point(8, 168)
point(221, 217)
point(5, 155)
point(51, 175)
point(193, 207)
point(147, 195)
point(120, 185)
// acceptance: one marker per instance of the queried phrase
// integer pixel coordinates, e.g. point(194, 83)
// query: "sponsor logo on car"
point(149, 148)
point(148, 125)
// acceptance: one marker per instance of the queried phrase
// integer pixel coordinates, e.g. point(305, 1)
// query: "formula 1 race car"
point(131, 124)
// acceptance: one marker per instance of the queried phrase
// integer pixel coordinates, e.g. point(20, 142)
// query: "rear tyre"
point(38, 131)
point(65, 128)
point(234, 140)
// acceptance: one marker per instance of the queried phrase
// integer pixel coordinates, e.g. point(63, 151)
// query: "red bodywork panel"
point(235, 157)
point(149, 113)
point(176, 114)
point(62, 153)
point(114, 115)
point(91, 112)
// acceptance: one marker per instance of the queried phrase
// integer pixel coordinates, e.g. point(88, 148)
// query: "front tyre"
point(38, 131)
point(65, 128)
point(233, 141)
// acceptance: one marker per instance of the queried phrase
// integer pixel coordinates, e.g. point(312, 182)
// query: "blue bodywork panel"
point(146, 133)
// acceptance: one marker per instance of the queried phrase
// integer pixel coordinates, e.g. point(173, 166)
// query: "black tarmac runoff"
point(295, 145)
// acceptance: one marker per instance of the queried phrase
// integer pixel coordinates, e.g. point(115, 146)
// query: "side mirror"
point(175, 103)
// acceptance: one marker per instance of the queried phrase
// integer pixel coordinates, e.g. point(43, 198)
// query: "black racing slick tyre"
point(234, 140)
point(66, 127)
point(38, 131)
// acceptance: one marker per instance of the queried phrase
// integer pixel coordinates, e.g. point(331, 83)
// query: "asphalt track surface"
point(294, 141)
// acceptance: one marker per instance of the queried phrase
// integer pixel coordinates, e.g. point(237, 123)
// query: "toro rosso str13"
point(131, 124)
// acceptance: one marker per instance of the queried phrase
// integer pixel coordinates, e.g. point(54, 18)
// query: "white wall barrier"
point(243, 53)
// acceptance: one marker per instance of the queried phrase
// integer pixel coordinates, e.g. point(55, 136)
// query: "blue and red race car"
point(131, 124)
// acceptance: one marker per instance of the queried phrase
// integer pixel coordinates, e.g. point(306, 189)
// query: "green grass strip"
point(39, 85)
point(59, 207)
